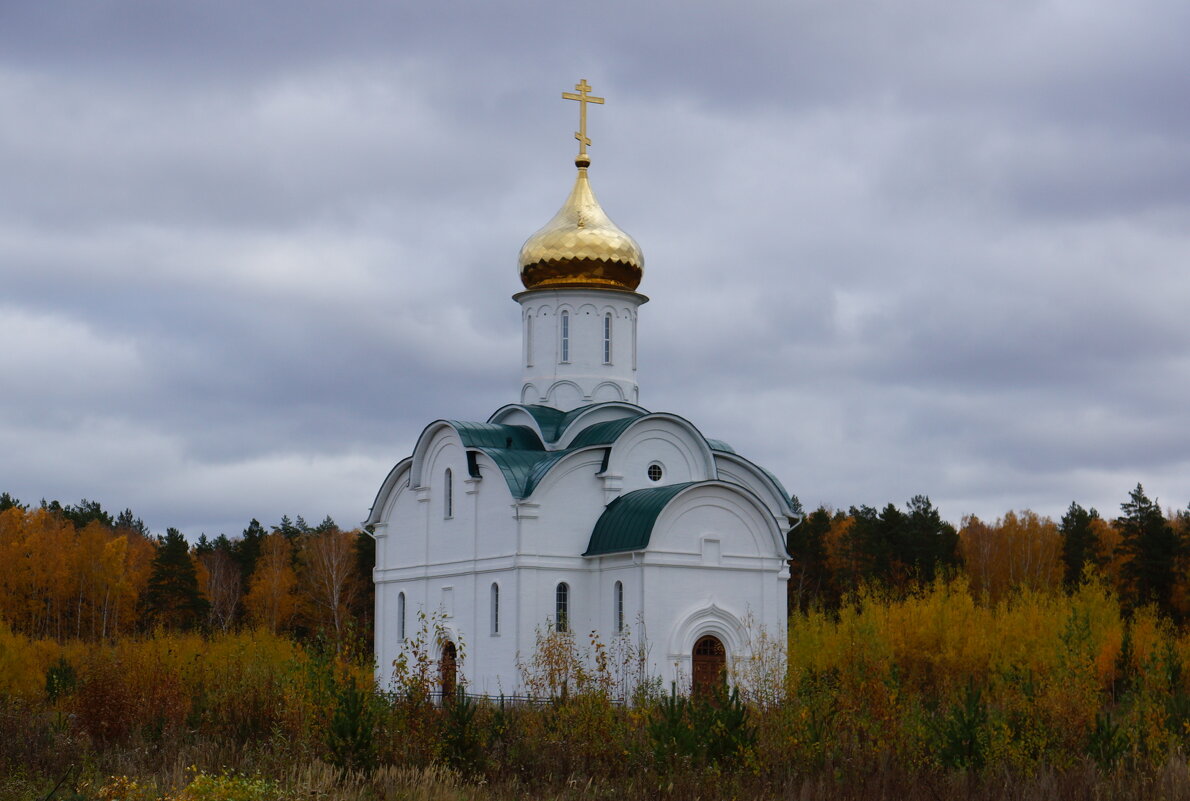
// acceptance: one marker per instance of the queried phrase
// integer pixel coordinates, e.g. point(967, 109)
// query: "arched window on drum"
point(607, 338)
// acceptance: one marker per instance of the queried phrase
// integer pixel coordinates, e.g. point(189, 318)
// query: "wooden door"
point(710, 665)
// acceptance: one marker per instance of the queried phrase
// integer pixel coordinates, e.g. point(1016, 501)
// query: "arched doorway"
point(447, 670)
point(710, 665)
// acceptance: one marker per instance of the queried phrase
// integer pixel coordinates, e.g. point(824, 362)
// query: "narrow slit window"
point(565, 344)
point(529, 341)
point(633, 343)
point(562, 607)
point(607, 338)
point(495, 608)
point(448, 500)
point(401, 615)
point(619, 609)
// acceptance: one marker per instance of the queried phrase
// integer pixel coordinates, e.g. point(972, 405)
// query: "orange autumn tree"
point(1020, 550)
point(272, 599)
point(58, 581)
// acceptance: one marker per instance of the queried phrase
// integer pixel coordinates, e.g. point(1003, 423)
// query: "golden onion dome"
point(581, 247)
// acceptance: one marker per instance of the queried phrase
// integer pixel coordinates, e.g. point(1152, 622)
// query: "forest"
point(1022, 657)
point(77, 572)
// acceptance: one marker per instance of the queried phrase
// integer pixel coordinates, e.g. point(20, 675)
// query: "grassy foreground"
point(936, 695)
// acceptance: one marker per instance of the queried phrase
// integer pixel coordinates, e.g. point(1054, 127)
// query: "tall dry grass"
point(937, 694)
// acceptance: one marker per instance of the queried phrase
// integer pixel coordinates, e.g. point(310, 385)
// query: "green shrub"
point(349, 736)
point(962, 733)
point(461, 745)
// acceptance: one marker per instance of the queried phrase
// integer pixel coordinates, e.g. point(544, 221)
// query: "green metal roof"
point(553, 423)
point(494, 435)
point(548, 419)
point(522, 458)
point(627, 522)
point(602, 433)
point(517, 467)
point(543, 467)
point(524, 470)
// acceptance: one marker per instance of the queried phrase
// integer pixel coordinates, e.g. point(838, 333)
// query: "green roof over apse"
point(627, 522)
point(720, 445)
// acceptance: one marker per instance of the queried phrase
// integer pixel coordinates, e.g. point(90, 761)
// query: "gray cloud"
point(248, 252)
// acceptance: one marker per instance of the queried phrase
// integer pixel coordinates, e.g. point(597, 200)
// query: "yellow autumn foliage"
point(883, 671)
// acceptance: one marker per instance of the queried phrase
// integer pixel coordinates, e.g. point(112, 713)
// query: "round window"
point(654, 472)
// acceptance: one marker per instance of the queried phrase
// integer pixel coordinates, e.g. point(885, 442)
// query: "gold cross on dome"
point(583, 97)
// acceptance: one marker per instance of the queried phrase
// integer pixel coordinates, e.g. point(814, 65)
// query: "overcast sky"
point(249, 250)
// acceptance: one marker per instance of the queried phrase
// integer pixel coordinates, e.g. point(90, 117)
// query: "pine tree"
point(172, 598)
point(809, 574)
point(86, 511)
point(896, 560)
point(1080, 544)
point(365, 563)
point(247, 550)
point(1153, 551)
point(930, 543)
point(293, 529)
point(866, 546)
point(126, 520)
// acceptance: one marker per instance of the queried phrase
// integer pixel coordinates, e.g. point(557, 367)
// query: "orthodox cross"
point(583, 97)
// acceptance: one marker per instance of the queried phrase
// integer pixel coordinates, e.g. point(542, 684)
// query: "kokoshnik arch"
point(576, 508)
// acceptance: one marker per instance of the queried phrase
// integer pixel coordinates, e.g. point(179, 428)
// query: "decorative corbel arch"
point(552, 394)
point(707, 619)
point(614, 387)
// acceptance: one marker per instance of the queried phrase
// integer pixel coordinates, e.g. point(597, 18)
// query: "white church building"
point(577, 509)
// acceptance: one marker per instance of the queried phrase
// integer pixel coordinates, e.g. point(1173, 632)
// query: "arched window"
point(495, 608)
point(619, 607)
point(562, 607)
point(564, 347)
point(607, 338)
point(448, 495)
point(401, 615)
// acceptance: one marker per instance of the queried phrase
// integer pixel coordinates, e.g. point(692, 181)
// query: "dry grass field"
point(933, 694)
